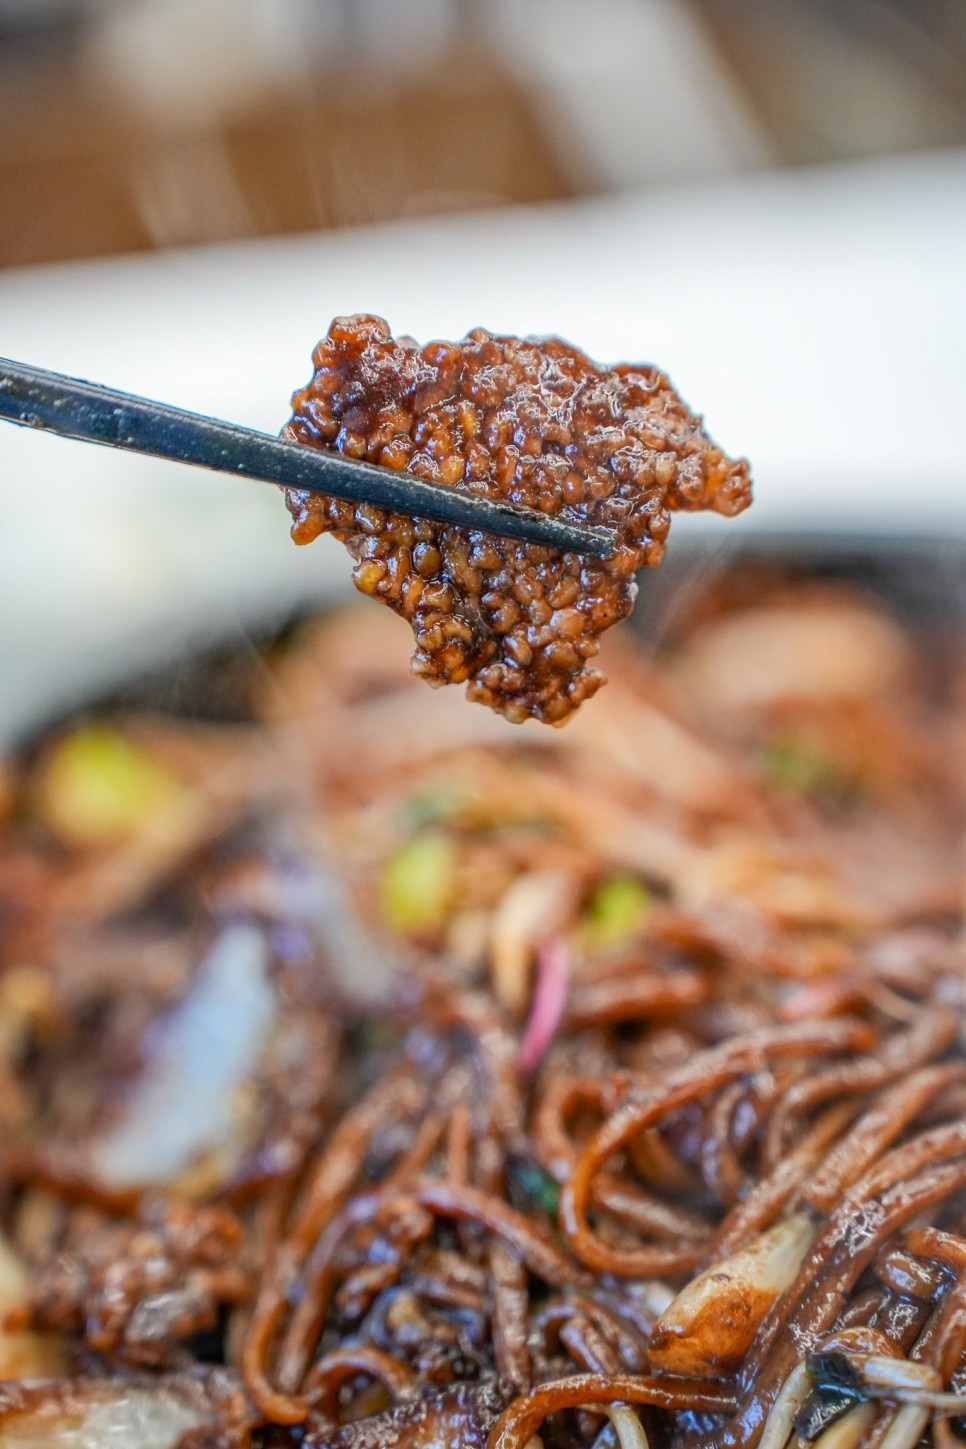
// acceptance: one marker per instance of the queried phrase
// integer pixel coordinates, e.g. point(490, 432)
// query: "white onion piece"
point(22, 1355)
point(908, 1382)
point(627, 1427)
point(712, 1322)
point(362, 963)
point(98, 1415)
point(906, 1429)
point(657, 1297)
point(305, 889)
point(185, 1102)
point(625, 1430)
point(897, 1373)
point(533, 909)
point(917, 1386)
point(793, 1396)
point(848, 1432)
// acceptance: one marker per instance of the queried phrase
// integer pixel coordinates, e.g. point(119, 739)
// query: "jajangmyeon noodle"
point(372, 1074)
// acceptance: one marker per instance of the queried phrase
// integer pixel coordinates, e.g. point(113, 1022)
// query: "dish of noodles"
point(373, 1073)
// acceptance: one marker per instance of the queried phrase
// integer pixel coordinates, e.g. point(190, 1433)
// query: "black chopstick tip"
point(87, 411)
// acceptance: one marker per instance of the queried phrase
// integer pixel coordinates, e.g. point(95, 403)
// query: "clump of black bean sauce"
point(529, 421)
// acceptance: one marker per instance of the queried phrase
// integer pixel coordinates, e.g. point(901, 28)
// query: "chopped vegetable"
point(93, 1413)
point(627, 1426)
point(615, 913)
point(97, 787)
point(801, 768)
point(537, 906)
point(438, 805)
point(417, 884)
point(549, 1000)
point(536, 1185)
point(844, 1431)
point(879, 1376)
point(834, 1372)
point(187, 1103)
point(791, 1398)
point(712, 1322)
point(824, 1406)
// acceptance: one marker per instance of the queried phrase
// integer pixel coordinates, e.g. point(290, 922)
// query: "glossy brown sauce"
point(532, 423)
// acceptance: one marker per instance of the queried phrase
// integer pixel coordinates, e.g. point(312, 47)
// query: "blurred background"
point(128, 125)
point(768, 197)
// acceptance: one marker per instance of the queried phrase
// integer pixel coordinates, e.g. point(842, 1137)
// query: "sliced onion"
point(186, 1102)
point(792, 1398)
point(91, 1414)
point(305, 897)
point(916, 1386)
point(848, 1432)
point(908, 1382)
point(710, 1326)
point(657, 1297)
point(624, 1430)
point(906, 1429)
point(899, 1374)
point(627, 1426)
point(532, 910)
point(549, 1000)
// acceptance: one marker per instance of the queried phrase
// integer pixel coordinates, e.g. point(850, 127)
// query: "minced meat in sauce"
point(533, 422)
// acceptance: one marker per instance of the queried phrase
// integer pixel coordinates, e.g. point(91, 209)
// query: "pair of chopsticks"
point(35, 398)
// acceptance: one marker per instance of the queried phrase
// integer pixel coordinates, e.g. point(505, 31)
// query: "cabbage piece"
point(187, 1101)
point(96, 1414)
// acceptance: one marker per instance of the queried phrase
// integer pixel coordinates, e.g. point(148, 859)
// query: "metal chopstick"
point(36, 398)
